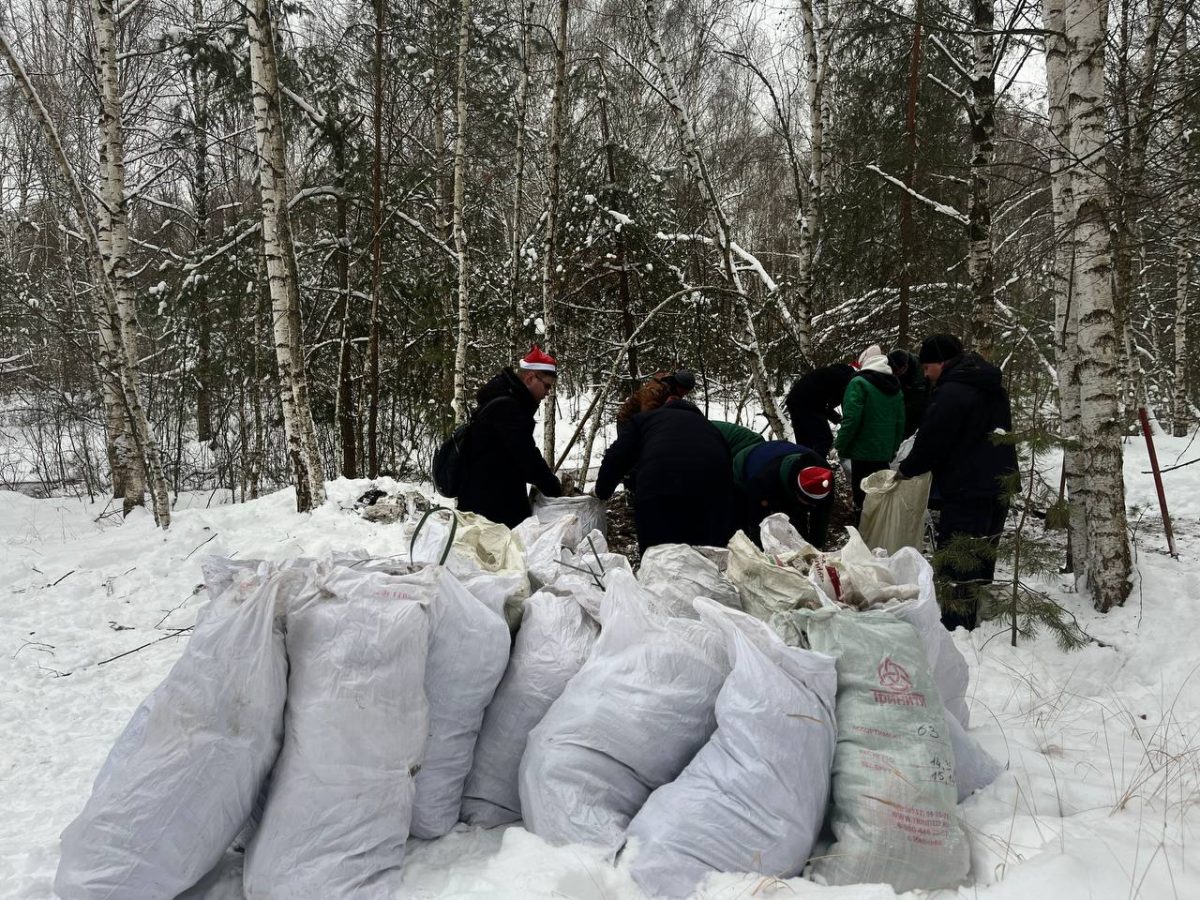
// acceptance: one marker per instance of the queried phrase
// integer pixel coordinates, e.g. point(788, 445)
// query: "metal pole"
point(1162, 497)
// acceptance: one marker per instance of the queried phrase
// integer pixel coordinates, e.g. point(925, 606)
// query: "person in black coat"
point(907, 369)
point(684, 479)
point(968, 410)
point(812, 404)
point(500, 457)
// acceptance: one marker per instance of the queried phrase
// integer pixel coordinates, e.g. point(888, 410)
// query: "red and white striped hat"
point(540, 361)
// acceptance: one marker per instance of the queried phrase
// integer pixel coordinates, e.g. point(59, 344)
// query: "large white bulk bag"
point(893, 810)
point(627, 723)
point(546, 545)
point(337, 812)
point(554, 641)
point(676, 574)
point(754, 797)
point(468, 652)
point(182, 777)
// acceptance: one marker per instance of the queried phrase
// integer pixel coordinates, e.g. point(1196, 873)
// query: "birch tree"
point(1107, 564)
point(280, 260)
point(118, 361)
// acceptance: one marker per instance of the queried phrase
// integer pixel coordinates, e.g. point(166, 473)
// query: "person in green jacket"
point(872, 421)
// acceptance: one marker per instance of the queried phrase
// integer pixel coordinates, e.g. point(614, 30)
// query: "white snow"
point(1101, 799)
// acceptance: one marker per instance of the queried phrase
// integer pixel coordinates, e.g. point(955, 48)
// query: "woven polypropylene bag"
point(894, 510)
point(754, 797)
point(628, 722)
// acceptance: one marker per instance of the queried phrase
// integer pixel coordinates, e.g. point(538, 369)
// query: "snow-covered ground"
point(1101, 798)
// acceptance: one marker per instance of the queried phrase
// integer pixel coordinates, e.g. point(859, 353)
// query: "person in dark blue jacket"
point(961, 441)
point(684, 480)
point(779, 476)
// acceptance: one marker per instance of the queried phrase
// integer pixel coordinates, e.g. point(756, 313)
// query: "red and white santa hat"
point(815, 482)
point(539, 361)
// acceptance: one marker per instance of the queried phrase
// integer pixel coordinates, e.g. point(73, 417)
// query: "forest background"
point(247, 244)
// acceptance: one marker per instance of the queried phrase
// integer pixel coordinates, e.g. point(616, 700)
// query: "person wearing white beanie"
point(872, 420)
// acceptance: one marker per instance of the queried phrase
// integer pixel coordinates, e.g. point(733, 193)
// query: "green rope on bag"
point(421, 524)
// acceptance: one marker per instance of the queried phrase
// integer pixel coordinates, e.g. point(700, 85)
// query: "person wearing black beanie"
point(960, 442)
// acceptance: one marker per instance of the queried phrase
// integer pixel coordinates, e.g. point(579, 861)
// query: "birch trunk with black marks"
point(1066, 314)
point(460, 233)
point(279, 255)
point(1189, 143)
point(369, 396)
point(720, 223)
point(908, 229)
point(200, 192)
point(1107, 564)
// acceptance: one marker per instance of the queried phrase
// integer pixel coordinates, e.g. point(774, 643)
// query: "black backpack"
point(448, 460)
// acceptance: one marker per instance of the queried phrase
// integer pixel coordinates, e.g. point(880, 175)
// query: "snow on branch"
point(938, 207)
point(422, 230)
point(950, 57)
point(752, 263)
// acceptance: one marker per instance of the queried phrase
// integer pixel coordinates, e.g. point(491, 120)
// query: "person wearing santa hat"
point(783, 477)
point(500, 457)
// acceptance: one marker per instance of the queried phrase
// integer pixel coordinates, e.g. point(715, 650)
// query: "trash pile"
point(726, 710)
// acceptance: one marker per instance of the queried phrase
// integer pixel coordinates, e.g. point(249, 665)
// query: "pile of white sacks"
point(728, 710)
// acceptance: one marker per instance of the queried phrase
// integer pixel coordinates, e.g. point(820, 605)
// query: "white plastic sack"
point(483, 555)
point(341, 795)
point(468, 652)
point(627, 723)
point(893, 809)
point(182, 777)
point(754, 797)
point(894, 511)
point(587, 509)
point(676, 574)
point(554, 641)
point(765, 588)
point(544, 544)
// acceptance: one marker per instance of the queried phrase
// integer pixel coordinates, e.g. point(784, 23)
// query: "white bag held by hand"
point(676, 574)
point(554, 641)
point(182, 777)
point(468, 652)
point(893, 812)
point(754, 797)
point(894, 510)
point(341, 795)
point(628, 722)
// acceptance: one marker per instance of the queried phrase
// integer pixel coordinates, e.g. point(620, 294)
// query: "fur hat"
point(938, 348)
point(815, 482)
point(539, 361)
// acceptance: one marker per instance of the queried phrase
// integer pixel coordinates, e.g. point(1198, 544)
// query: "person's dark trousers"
point(697, 519)
point(967, 570)
point(860, 469)
point(812, 431)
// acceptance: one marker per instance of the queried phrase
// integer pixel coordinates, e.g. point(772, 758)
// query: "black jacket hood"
point(973, 370)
